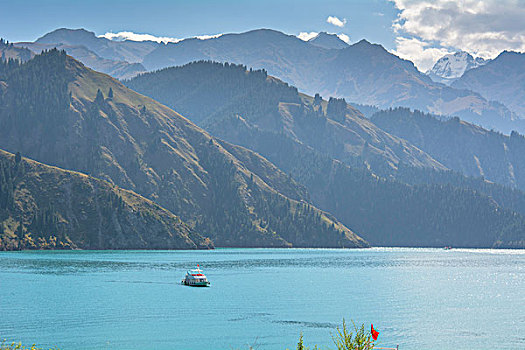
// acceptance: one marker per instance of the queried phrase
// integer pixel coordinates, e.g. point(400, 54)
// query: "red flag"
point(375, 333)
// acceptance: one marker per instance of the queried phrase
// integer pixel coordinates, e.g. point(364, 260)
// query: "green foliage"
point(99, 98)
point(18, 346)
point(358, 339)
point(300, 345)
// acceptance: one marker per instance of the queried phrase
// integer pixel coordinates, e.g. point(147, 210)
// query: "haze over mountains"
point(363, 73)
point(136, 143)
point(284, 161)
point(336, 153)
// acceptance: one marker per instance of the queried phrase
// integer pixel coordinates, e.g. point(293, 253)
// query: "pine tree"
point(110, 93)
point(317, 100)
point(100, 97)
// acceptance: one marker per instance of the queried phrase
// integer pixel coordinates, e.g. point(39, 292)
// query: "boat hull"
point(196, 284)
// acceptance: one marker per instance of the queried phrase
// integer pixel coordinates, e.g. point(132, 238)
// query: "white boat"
point(195, 278)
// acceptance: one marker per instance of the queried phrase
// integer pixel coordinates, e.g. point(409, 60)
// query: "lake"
point(417, 298)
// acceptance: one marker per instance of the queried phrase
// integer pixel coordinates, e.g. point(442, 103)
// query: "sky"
point(419, 30)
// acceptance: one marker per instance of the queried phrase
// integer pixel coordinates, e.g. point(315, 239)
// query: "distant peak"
point(453, 65)
point(364, 44)
point(61, 34)
point(328, 41)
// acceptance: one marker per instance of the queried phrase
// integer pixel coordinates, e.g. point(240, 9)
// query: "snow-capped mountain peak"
point(452, 66)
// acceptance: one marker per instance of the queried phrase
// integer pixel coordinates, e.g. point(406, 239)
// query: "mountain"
point(333, 151)
point(328, 41)
point(128, 51)
point(86, 121)
point(115, 68)
point(452, 66)
point(44, 207)
point(10, 51)
point(266, 103)
point(363, 73)
point(501, 80)
point(460, 146)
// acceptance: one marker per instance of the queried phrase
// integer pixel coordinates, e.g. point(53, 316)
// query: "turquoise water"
point(417, 298)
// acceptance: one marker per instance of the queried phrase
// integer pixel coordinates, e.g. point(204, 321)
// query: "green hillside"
point(210, 93)
point(460, 146)
point(59, 112)
point(372, 181)
point(44, 207)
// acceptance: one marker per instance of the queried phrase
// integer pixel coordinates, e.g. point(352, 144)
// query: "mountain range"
point(228, 194)
point(258, 162)
point(363, 73)
point(371, 180)
point(460, 146)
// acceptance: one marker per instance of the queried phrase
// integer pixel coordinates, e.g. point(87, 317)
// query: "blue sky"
point(420, 30)
point(30, 19)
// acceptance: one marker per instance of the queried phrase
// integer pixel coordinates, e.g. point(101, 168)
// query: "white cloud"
point(138, 37)
point(481, 27)
point(305, 36)
point(421, 53)
point(336, 21)
point(344, 37)
point(208, 36)
point(148, 37)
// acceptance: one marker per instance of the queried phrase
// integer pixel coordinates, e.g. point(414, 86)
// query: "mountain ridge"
point(135, 142)
point(259, 112)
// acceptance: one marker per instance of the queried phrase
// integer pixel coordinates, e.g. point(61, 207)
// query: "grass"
point(19, 346)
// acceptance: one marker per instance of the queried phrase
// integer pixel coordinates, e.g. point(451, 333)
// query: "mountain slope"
point(139, 144)
point(10, 51)
point(452, 66)
point(43, 207)
point(266, 103)
point(460, 146)
point(303, 135)
point(500, 80)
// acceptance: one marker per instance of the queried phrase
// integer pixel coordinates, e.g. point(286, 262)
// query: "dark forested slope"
point(460, 146)
point(44, 207)
point(214, 94)
point(336, 154)
point(55, 110)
